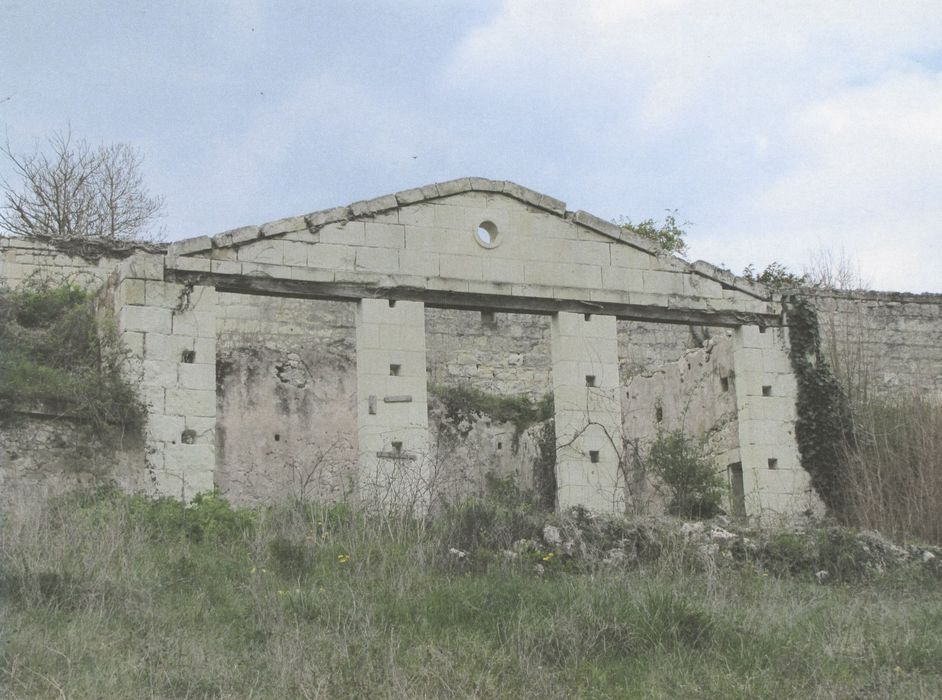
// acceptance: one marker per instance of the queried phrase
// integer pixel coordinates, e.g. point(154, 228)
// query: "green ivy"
point(823, 427)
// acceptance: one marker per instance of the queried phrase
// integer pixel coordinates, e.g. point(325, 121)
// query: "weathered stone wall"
point(694, 395)
point(286, 388)
point(46, 455)
point(881, 343)
point(21, 258)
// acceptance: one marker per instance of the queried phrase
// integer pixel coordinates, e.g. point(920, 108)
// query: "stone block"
point(197, 376)
point(310, 274)
point(377, 260)
point(190, 402)
point(145, 319)
point(189, 246)
point(128, 292)
point(189, 264)
point(164, 428)
point(281, 226)
point(189, 459)
point(268, 252)
point(347, 233)
point(134, 342)
point(295, 254)
point(418, 263)
point(465, 267)
point(251, 269)
point(142, 266)
point(318, 219)
point(417, 215)
point(330, 256)
point(159, 373)
point(235, 237)
point(153, 398)
point(383, 235)
point(163, 346)
point(226, 267)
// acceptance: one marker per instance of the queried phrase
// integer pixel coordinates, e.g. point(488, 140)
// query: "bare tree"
point(78, 192)
point(830, 270)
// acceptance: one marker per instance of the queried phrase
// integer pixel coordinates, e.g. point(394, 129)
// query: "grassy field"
point(111, 596)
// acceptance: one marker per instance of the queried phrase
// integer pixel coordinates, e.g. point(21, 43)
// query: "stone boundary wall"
point(882, 343)
point(20, 258)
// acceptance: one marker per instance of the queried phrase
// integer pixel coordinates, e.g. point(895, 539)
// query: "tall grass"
point(893, 474)
point(122, 597)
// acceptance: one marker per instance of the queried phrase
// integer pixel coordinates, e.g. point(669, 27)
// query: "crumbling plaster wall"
point(694, 395)
point(286, 389)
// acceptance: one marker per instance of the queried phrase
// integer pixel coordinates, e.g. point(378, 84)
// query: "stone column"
point(392, 404)
point(766, 391)
point(588, 412)
point(170, 330)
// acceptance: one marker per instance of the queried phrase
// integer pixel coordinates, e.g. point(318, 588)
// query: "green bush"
point(56, 354)
point(696, 491)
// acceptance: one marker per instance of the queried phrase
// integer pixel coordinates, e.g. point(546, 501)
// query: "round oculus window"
point(487, 235)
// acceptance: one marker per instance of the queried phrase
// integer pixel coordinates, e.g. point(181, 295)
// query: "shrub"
point(56, 354)
point(695, 489)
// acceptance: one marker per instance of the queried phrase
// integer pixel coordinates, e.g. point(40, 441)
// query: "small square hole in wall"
point(500, 445)
point(392, 303)
point(658, 414)
point(767, 390)
point(724, 383)
point(588, 317)
point(277, 437)
point(488, 318)
point(762, 329)
point(773, 463)
point(590, 380)
point(188, 357)
point(397, 447)
point(594, 456)
point(394, 370)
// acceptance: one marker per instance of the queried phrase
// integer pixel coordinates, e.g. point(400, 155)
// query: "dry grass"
point(119, 597)
point(893, 476)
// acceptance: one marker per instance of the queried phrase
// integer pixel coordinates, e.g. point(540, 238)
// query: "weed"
point(695, 489)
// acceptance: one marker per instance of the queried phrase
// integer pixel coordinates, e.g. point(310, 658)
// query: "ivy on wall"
point(823, 427)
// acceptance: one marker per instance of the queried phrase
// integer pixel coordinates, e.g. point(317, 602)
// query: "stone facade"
point(267, 354)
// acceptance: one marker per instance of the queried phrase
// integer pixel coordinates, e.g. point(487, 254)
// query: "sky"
point(778, 130)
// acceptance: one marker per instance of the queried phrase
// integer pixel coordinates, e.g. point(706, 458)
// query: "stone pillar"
point(588, 412)
point(774, 482)
point(392, 404)
point(170, 330)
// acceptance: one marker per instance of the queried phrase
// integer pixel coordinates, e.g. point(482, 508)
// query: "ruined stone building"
point(325, 356)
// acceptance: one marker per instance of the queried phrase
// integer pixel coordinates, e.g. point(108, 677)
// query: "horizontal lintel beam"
point(469, 301)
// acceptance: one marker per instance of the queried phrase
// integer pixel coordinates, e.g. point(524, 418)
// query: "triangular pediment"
point(429, 237)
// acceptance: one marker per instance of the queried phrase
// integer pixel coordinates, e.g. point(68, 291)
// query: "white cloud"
point(796, 125)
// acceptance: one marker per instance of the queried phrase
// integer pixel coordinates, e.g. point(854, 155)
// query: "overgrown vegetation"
point(892, 474)
point(55, 355)
point(823, 426)
point(107, 595)
point(465, 404)
point(669, 235)
point(694, 487)
point(776, 277)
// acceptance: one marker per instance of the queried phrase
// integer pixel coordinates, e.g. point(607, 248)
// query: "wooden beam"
point(469, 301)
